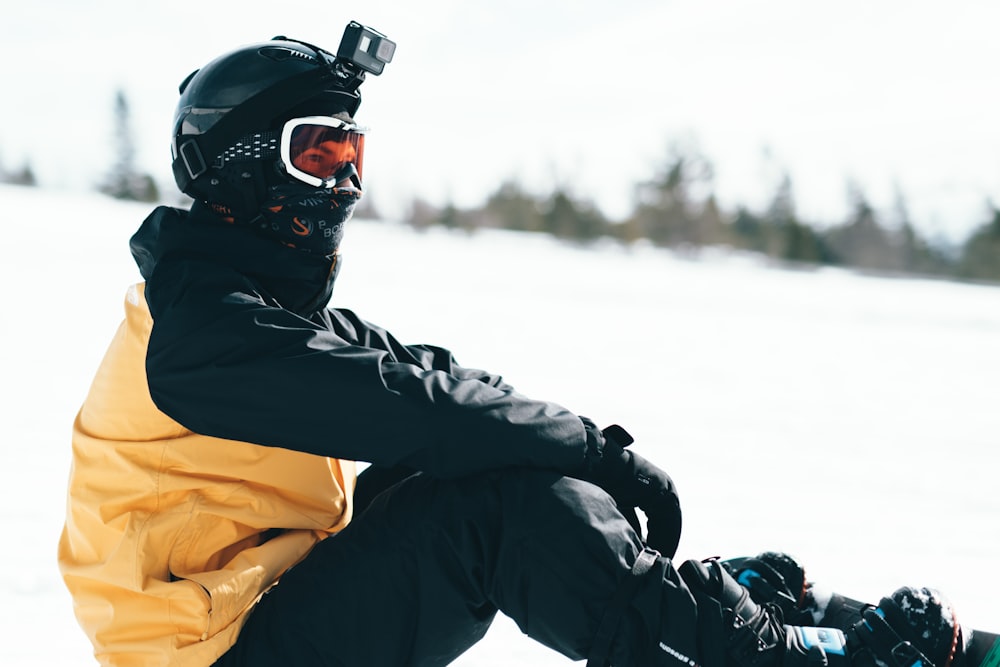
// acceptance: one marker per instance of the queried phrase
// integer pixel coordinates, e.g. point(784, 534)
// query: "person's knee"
point(538, 504)
point(513, 503)
point(567, 497)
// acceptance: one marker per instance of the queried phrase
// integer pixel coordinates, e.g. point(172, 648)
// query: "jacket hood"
point(298, 281)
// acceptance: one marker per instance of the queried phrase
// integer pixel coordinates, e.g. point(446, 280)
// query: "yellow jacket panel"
point(170, 536)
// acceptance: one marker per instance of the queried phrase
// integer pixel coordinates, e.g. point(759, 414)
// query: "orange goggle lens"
point(321, 151)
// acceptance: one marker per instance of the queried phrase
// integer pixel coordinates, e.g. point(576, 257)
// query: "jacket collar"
point(296, 280)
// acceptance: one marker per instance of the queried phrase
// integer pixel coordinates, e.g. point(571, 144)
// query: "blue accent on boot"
point(830, 640)
point(746, 576)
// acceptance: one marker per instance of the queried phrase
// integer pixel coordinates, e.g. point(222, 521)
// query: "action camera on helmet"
point(361, 50)
point(366, 48)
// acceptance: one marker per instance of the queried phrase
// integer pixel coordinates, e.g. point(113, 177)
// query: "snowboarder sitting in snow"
point(214, 515)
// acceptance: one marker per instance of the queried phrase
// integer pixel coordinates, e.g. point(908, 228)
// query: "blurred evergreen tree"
point(567, 218)
point(748, 231)
point(450, 217)
point(779, 232)
point(916, 255)
point(421, 215)
point(666, 211)
point(124, 181)
point(510, 207)
point(23, 176)
point(980, 258)
point(714, 227)
point(801, 243)
point(861, 241)
point(787, 237)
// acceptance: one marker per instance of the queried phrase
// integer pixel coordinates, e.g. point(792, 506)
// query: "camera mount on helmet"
point(362, 50)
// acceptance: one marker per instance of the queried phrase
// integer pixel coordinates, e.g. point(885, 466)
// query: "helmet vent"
point(280, 53)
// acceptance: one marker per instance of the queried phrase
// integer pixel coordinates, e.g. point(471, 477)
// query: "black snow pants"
point(418, 576)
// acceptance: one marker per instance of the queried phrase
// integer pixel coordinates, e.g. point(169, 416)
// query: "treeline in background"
point(675, 209)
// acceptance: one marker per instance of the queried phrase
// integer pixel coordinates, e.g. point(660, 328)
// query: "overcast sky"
point(897, 95)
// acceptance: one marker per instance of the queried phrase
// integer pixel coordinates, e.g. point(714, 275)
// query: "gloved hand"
point(634, 482)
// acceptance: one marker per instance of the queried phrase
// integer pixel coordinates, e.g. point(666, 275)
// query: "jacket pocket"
point(236, 587)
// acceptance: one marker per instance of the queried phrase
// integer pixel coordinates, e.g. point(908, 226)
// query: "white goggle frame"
point(326, 121)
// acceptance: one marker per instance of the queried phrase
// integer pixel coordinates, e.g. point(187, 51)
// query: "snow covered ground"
point(852, 421)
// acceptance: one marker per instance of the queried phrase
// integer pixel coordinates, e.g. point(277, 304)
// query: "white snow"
point(849, 420)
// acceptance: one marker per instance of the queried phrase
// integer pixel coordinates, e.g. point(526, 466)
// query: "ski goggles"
point(322, 151)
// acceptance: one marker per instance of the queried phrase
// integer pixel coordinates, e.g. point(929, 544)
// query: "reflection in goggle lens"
point(323, 151)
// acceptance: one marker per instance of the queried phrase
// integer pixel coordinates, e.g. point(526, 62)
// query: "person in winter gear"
point(214, 514)
point(214, 454)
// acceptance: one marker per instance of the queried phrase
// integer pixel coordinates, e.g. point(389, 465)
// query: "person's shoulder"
point(199, 290)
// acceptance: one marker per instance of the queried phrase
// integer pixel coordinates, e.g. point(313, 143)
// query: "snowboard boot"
point(735, 631)
point(776, 578)
point(913, 624)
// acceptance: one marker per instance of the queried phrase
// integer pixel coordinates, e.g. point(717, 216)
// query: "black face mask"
point(306, 218)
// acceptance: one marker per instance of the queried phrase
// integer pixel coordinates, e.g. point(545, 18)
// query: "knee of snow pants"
point(417, 578)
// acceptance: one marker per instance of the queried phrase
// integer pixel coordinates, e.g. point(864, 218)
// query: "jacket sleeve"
point(429, 357)
point(229, 365)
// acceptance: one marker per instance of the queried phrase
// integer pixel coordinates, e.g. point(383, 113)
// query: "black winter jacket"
point(243, 347)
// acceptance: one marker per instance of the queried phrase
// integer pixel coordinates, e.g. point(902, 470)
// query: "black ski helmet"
point(221, 151)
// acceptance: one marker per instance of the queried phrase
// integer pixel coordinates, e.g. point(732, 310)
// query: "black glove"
point(634, 482)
